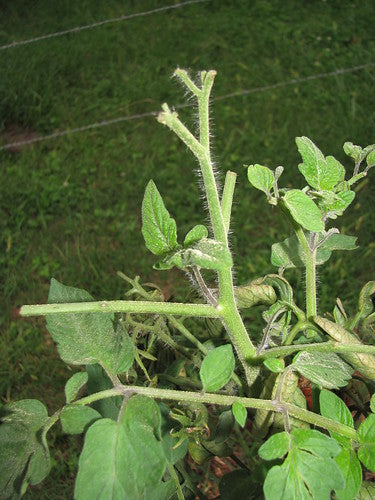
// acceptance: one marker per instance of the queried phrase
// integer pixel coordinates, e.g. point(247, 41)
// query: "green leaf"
point(352, 472)
point(366, 437)
point(340, 202)
point(308, 472)
point(224, 426)
point(367, 491)
point(289, 253)
point(275, 447)
point(254, 293)
point(217, 368)
point(239, 413)
point(370, 159)
point(365, 303)
point(74, 385)
point(261, 178)
point(206, 254)
point(353, 151)
point(364, 363)
point(195, 234)
point(275, 365)
point(281, 284)
point(324, 369)
point(75, 419)
point(24, 455)
point(372, 403)
point(122, 459)
point(320, 173)
point(87, 338)
point(303, 210)
point(99, 381)
point(333, 407)
point(158, 227)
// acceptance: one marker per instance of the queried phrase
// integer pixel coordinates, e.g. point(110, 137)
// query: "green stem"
point(176, 481)
point(299, 326)
point(285, 350)
point(227, 198)
point(117, 306)
point(311, 307)
point(201, 149)
point(224, 400)
point(187, 334)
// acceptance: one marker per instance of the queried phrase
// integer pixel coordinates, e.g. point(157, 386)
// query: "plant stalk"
point(224, 400)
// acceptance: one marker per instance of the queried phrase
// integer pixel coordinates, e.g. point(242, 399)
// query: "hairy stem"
point(285, 350)
point(117, 306)
point(224, 400)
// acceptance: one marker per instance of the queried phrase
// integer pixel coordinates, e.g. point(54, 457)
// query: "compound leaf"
point(308, 472)
point(197, 233)
point(75, 419)
point(366, 435)
point(124, 458)
point(158, 227)
point(74, 385)
point(261, 178)
point(324, 369)
point(303, 210)
point(239, 413)
point(24, 455)
point(217, 368)
point(87, 338)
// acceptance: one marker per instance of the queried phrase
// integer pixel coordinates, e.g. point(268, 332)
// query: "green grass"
point(70, 208)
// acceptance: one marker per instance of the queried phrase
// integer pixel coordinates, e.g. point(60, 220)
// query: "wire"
point(77, 29)
point(240, 93)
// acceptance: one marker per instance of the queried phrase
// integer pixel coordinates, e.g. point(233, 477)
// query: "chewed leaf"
point(320, 173)
point(303, 210)
point(308, 472)
point(194, 235)
point(261, 178)
point(324, 369)
point(158, 228)
point(217, 368)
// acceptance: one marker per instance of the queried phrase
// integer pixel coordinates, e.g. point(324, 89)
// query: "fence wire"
point(245, 92)
point(77, 29)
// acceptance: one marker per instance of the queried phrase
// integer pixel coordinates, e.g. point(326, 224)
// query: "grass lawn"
point(70, 207)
